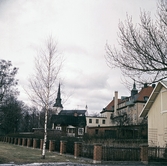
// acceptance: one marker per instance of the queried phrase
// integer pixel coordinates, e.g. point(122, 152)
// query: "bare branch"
point(43, 83)
point(142, 51)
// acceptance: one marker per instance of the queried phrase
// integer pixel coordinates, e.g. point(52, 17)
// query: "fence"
point(97, 152)
point(120, 154)
point(87, 150)
point(157, 154)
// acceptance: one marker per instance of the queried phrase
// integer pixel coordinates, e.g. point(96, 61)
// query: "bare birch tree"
point(43, 83)
point(142, 49)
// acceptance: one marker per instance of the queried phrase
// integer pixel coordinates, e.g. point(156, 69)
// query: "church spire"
point(134, 91)
point(134, 85)
point(58, 99)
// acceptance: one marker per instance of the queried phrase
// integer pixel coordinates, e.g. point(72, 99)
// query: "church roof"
point(72, 112)
point(64, 120)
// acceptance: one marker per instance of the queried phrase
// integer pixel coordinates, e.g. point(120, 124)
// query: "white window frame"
point(58, 128)
point(162, 111)
point(80, 131)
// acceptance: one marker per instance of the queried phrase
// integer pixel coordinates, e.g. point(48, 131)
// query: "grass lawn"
point(22, 155)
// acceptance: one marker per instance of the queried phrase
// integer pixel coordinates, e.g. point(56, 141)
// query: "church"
point(68, 122)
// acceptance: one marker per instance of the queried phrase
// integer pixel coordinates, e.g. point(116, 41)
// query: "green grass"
point(23, 155)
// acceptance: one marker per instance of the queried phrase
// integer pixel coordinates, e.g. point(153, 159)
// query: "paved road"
point(78, 164)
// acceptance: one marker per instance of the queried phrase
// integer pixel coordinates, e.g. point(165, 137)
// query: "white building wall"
point(103, 120)
point(95, 121)
point(157, 121)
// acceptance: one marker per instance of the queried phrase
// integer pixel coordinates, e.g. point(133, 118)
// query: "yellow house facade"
point(156, 111)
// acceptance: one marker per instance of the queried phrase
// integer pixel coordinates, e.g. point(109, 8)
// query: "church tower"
point(57, 107)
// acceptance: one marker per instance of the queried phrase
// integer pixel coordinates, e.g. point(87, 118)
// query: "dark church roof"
point(64, 120)
point(72, 112)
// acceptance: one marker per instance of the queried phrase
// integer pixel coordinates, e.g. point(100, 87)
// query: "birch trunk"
point(48, 82)
point(45, 134)
point(43, 83)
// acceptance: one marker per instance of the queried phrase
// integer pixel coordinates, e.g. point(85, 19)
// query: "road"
point(78, 164)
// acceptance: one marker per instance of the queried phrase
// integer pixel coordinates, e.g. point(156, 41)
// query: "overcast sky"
point(81, 29)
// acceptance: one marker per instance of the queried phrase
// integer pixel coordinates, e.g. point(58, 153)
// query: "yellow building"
point(156, 111)
point(123, 113)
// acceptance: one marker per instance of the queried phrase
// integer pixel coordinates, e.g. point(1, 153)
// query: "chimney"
point(115, 102)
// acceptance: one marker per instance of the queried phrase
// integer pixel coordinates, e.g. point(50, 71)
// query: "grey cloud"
point(74, 49)
point(81, 35)
point(92, 81)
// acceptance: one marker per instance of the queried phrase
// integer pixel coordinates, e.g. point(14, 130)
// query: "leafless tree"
point(121, 119)
point(142, 51)
point(43, 83)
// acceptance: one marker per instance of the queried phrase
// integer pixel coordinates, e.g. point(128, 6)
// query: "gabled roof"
point(145, 92)
point(72, 112)
point(64, 120)
point(139, 97)
point(110, 106)
point(152, 98)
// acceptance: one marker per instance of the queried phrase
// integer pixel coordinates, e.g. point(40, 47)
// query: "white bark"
point(43, 83)
point(45, 134)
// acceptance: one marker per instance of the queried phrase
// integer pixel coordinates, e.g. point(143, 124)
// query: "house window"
point(97, 121)
point(90, 120)
point(163, 101)
point(80, 131)
point(145, 98)
point(103, 121)
point(58, 128)
point(96, 131)
point(71, 130)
